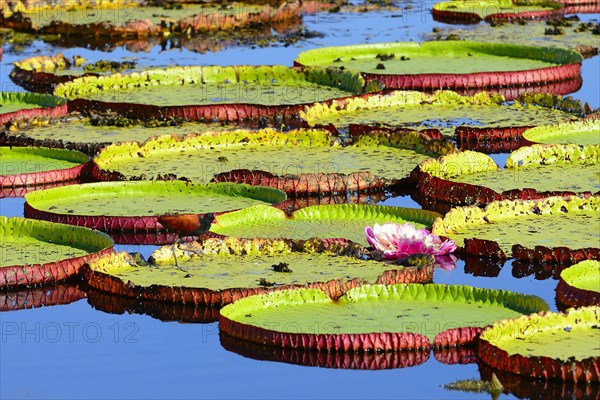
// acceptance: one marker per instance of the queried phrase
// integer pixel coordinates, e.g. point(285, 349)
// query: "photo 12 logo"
point(68, 332)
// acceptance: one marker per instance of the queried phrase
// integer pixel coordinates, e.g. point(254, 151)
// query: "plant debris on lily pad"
point(133, 18)
point(546, 345)
point(16, 106)
point(450, 64)
point(211, 93)
point(25, 166)
point(527, 229)
point(579, 285)
point(346, 221)
point(40, 252)
point(220, 271)
point(443, 110)
point(373, 317)
point(297, 162)
point(580, 132)
point(494, 10)
point(530, 172)
point(135, 206)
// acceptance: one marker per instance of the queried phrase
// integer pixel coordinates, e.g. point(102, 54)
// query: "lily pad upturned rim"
point(540, 366)
point(433, 181)
point(292, 184)
point(375, 341)
point(146, 223)
point(442, 13)
point(567, 292)
point(50, 176)
point(349, 81)
point(144, 28)
point(569, 66)
point(537, 133)
point(49, 106)
point(487, 248)
point(51, 272)
point(217, 298)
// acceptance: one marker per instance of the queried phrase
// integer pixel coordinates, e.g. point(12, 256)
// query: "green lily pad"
point(546, 345)
point(304, 161)
point(530, 172)
point(373, 317)
point(581, 133)
point(214, 85)
point(449, 64)
point(135, 206)
point(39, 252)
point(219, 271)
point(476, 10)
point(346, 221)
point(16, 105)
point(22, 166)
point(443, 110)
point(527, 223)
point(579, 284)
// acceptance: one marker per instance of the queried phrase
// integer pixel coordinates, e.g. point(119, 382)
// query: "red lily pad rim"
point(137, 224)
point(375, 341)
point(218, 298)
point(50, 176)
point(586, 370)
point(49, 106)
point(18, 276)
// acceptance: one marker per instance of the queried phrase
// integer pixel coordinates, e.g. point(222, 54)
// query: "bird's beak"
point(216, 222)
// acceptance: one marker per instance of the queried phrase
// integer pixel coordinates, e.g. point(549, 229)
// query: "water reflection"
point(37, 297)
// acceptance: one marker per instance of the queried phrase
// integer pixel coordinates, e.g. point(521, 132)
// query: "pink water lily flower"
point(399, 241)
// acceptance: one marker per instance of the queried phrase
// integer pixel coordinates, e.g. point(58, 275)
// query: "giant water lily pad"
point(304, 161)
point(135, 206)
point(477, 10)
point(546, 345)
point(581, 133)
point(373, 317)
point(22, 166)
point(219, 271)
point(39, 252)
point(449, 64)
point(579, 284)
point(331, 221)
point(137, 18)
point(530, 172)
point(15, 106)
point(443, 110)
point(551, 227)
point(211, 93)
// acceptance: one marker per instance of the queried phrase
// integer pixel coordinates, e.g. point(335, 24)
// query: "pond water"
point(77, 351)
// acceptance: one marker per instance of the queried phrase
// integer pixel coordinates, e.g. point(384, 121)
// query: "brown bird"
point(187, 225)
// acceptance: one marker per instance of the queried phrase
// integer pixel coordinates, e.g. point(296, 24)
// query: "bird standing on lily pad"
point(400, 241)
point(187, 225)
